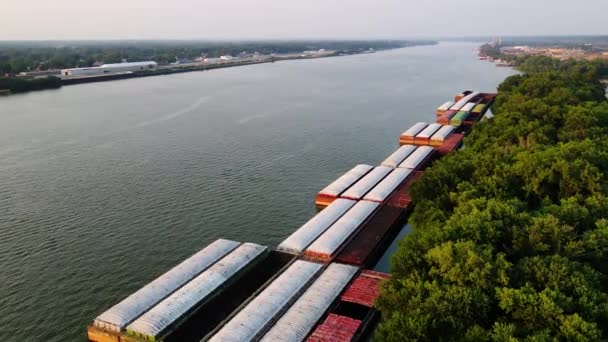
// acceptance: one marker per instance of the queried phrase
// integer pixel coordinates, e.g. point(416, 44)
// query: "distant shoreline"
point(192, 67)
point(16, 85)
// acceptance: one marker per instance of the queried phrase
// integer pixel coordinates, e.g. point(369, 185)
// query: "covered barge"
point(315, 286)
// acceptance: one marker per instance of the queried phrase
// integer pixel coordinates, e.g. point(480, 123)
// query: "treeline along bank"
point(510, 238)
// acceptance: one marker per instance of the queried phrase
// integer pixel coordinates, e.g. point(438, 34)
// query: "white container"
point(346, 180)
point(458, 105)
point(443, 133)
point(365, 184)
point(415, 129)
point(429, 131)
point(468, 107)
point(398, 156)
point(117, 317)
point(257, 316)
point(416, 158)
point(168, 312)
point(444, 107)
point(306, 234)
point(301, 318)
point(332, 239)
point(382, 191)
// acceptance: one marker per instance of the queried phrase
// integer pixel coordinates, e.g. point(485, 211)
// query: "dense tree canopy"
point(16, 85)
point(510, 237)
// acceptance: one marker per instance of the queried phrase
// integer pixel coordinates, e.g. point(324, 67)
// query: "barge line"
point(316, 285)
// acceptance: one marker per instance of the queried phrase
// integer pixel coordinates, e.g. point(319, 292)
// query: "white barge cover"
point(339, 232)
point(117, 317)
point(154, 322)
point(446, 106)
point(346, 180)
point(412, 131)
point(443, 133)
point(468, 107)
point(306, 234)
point(265, 309)
point(429, 131)
point(299, 320)
point(414, 160)
point(458, 105)
point(359, 189)
point(398, 156)
point(381, 192)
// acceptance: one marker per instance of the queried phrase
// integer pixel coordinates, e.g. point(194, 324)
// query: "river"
point(104, 186)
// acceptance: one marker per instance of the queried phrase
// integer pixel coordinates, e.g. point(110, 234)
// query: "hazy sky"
point(219, 19)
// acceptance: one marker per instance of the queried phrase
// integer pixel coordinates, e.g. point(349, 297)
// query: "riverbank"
point(18, 85)
point(156, 72)
point(191, 67)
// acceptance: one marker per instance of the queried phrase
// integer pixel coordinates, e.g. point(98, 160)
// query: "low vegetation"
point(510, 234)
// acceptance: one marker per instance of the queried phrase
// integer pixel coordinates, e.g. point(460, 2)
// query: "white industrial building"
point(109, 69)
point(211, 60)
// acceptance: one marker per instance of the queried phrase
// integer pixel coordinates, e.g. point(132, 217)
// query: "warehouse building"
point(109, 69)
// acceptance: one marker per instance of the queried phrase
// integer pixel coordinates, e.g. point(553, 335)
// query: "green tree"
point(510, 236)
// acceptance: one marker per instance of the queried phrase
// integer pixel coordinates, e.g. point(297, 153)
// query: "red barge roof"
point(335, 328)
point(365, 289)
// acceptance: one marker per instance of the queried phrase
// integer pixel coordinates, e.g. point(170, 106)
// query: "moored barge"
point(315, 285)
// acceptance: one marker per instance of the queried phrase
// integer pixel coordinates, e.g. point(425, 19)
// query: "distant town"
point(561, 53)
point(508, 53)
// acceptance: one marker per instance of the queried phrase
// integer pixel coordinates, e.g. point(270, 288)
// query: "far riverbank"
point(190, 67)
point(14, 85)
